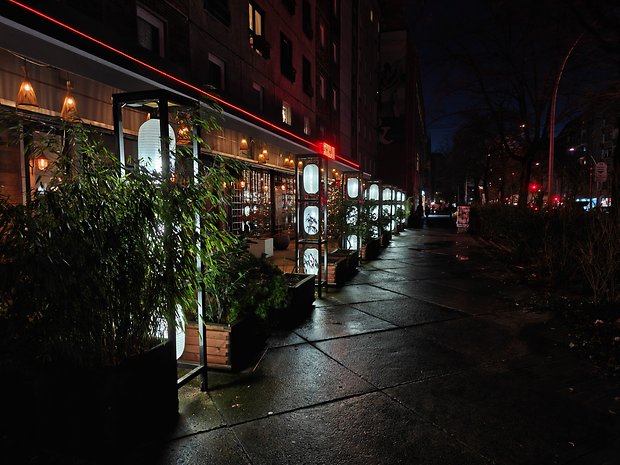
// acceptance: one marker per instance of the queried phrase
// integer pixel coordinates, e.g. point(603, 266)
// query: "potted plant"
point(242, 290)
point(92, 269)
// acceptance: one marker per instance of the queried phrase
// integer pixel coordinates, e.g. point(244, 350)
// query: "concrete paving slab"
point(219, 447)
point(365, 276)
point(393, 357)
point(287, 378)
point(369, 429)
point(474, 304)
point(507, 418)
point(197, 412)
point(344, 320)
point(285, 337)
point(409, 311)
point(362, 293)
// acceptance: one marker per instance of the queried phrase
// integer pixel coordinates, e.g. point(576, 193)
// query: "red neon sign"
point(328, 150)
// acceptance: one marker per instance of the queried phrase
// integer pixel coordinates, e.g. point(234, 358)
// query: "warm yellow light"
point(69, 108)
point(243, 145)
point(26, 96)
point(242, 184)
point(42, 163)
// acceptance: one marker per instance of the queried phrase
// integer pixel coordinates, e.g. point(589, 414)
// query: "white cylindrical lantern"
point(311, 178)
point(311, 220)
point(393, 225)
point(149, 145)
point(311, 261)
point(374, 213)
point(352, 242)
point(352, 216)
point(353, 187)
point(387, 194)
point(373, 192)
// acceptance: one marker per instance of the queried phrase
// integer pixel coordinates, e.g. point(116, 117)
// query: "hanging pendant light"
point(26, 96)
point(69, 108)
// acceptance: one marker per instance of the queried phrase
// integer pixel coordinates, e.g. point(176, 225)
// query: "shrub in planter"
point(241, 292)
point(90, 270)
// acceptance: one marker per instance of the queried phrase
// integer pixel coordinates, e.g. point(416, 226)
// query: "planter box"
point(258, 247)
point(300, 300)
point(95, 411)
point(386, 237)
point(352, 260)
point(229, 347)
point(370, 249)
point(336, 270)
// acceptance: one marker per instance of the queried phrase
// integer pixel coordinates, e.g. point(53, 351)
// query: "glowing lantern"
point(149, 145)
point(353, 187)
point(311, 261)
point(311, 178)
point(387, 194)
point(373, 192)
point(352, 242)
point(311, 220)
point(352, 216)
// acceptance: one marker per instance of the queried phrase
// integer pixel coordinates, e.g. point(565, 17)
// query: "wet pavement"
point(427, 356)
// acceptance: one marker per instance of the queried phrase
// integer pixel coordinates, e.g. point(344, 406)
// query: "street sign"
point(600, 172)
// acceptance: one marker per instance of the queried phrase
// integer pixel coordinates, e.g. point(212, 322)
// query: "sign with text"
point(328, 150)
point(462, 216)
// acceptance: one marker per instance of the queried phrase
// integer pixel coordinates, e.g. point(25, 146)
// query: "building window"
point(290, 6)
point(307, 77)
point(334, 98)
point(286, 58)
point(322, 87)
point(335, 52)
point(322, 34)
point(257, 30)
point(150, 30)
point(219, 9)
point(258, 96)
point(306, 18)
point(306, 126)
point(372, 16)
point(217, 72)
point(287, 114)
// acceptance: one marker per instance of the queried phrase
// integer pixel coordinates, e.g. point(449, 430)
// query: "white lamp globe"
point(353, 188)
point(149, 145)
point(373, 192)
point(311, 178)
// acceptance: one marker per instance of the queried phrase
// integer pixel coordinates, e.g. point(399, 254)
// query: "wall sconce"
point(41, 162)
point(265, 155)
point(242, 184)
point(69, 108)
point(261, 158)
point(26, 96)
point(243, 145)
point(184, 133)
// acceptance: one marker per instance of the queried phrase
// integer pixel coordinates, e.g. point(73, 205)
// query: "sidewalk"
point(427, 357)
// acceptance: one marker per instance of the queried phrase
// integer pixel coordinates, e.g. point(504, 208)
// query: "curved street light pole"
point(552, 119)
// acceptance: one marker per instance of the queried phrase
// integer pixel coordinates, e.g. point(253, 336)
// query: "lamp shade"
point(373, 192)
point(353, 185)
point(351, 242)
point(69, 106)
point(352, 216)
point(387, 194)
point(311, 178)
point(311, 220)
point(26, 96)
point(149, 145)
point(311, 261)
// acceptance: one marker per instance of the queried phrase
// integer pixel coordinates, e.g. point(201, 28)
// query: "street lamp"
point(552, 117)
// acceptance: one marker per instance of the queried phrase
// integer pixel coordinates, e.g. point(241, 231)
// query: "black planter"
point(300, 299)
point(95, 412)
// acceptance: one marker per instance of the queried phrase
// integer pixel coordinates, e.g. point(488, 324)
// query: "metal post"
point(552, 119)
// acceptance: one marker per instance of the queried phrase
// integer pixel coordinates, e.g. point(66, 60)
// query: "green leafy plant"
point(243, 286)
point(92, 267)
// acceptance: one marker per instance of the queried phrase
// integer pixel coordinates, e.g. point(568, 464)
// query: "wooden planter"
point(336, 270)
point(229, 347)
point(386, 237)
point(97, 411)
point(300, 300)
point(370, 249)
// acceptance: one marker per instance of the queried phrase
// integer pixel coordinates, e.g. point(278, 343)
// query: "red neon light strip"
point(173, 78)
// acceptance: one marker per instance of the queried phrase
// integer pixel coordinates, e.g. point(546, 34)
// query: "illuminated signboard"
point(328, 151)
